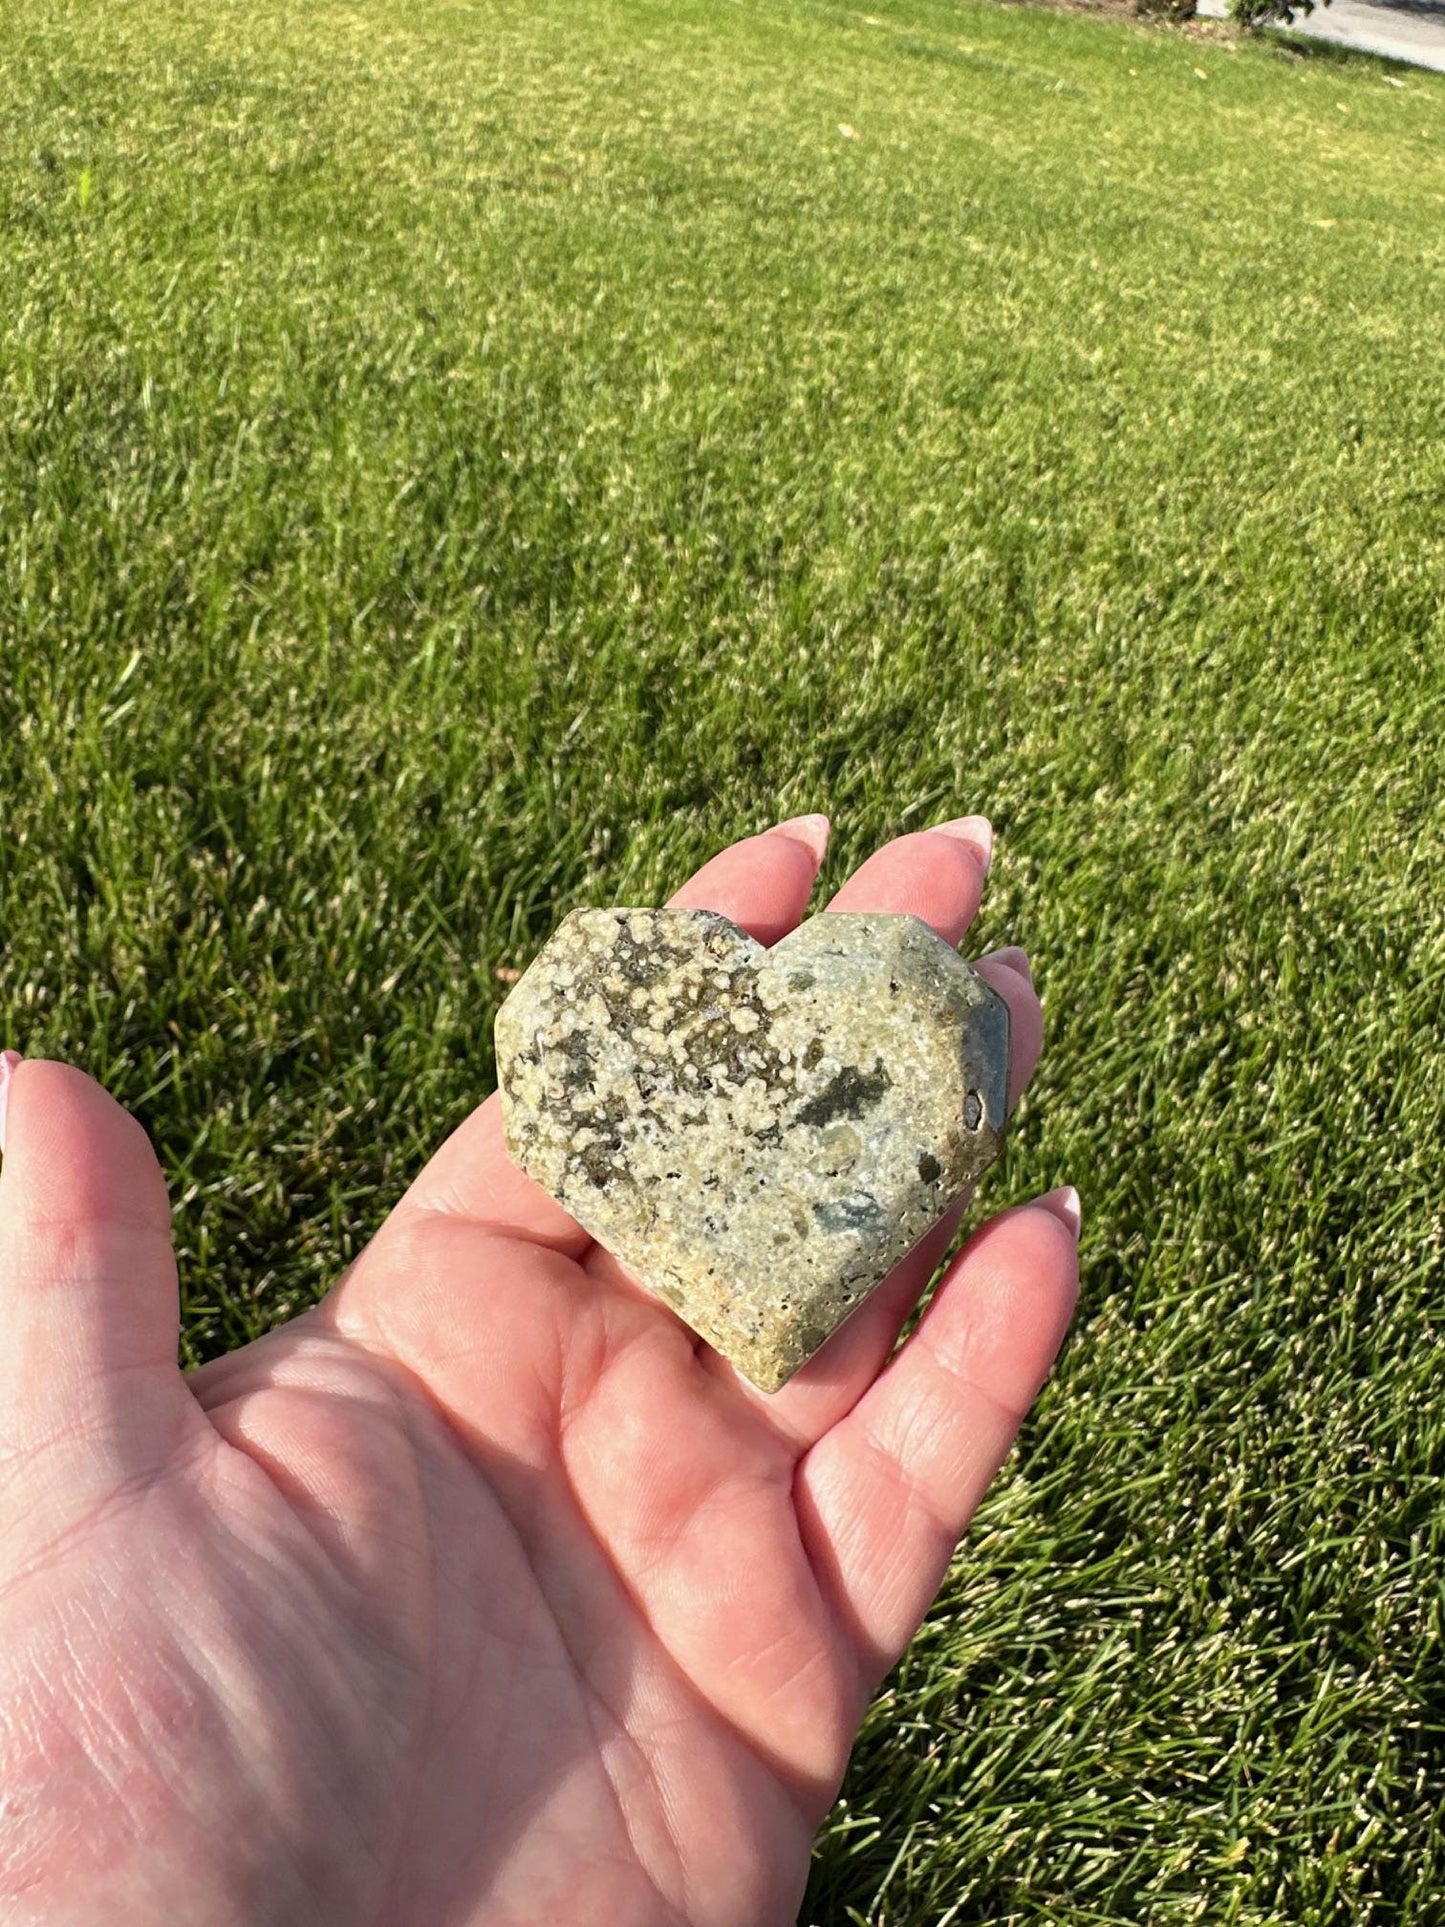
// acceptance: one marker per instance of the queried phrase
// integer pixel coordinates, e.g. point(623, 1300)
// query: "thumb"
point(89, 1307)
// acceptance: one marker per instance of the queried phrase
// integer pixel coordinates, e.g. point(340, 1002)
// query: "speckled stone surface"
point(758, 1135)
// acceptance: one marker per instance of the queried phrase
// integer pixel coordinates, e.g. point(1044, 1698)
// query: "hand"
point(484, 1593)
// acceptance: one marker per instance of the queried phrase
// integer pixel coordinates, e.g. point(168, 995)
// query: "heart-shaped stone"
point(758, 1135)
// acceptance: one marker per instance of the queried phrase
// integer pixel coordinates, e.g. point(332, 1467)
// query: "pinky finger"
point(884, 1498)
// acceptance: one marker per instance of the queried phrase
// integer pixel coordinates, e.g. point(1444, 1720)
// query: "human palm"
point(484, 1593)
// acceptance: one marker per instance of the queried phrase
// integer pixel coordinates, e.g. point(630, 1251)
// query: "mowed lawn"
point(459, 461)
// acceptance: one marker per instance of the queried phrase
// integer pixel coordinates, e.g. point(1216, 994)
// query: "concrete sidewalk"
point(1412, 30)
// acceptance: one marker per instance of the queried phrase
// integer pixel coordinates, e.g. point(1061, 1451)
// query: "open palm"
point(485, 1592)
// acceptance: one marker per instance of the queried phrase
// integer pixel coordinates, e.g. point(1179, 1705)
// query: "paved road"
point(1412, 30)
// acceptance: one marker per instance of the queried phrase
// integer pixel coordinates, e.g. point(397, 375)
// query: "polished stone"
point(757, 1135)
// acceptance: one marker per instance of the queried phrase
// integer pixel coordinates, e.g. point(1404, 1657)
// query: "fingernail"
point(811, 831)
point(976, 832)
point(1012, 958)
point(1065, 1205)
point(9, 1059)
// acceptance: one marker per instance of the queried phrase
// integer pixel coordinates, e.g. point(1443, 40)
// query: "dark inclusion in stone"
point(756, 1135)
point(848, 1094)
point(852, 1213)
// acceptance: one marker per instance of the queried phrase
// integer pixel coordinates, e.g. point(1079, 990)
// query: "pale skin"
point(484, 1594)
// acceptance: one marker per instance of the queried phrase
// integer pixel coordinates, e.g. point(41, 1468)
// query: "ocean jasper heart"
point(758, 1135)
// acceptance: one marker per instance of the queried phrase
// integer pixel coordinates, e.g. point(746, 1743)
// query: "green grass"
point(459, 461)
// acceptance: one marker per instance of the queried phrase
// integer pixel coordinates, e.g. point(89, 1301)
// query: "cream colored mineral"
point(758, 1135)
